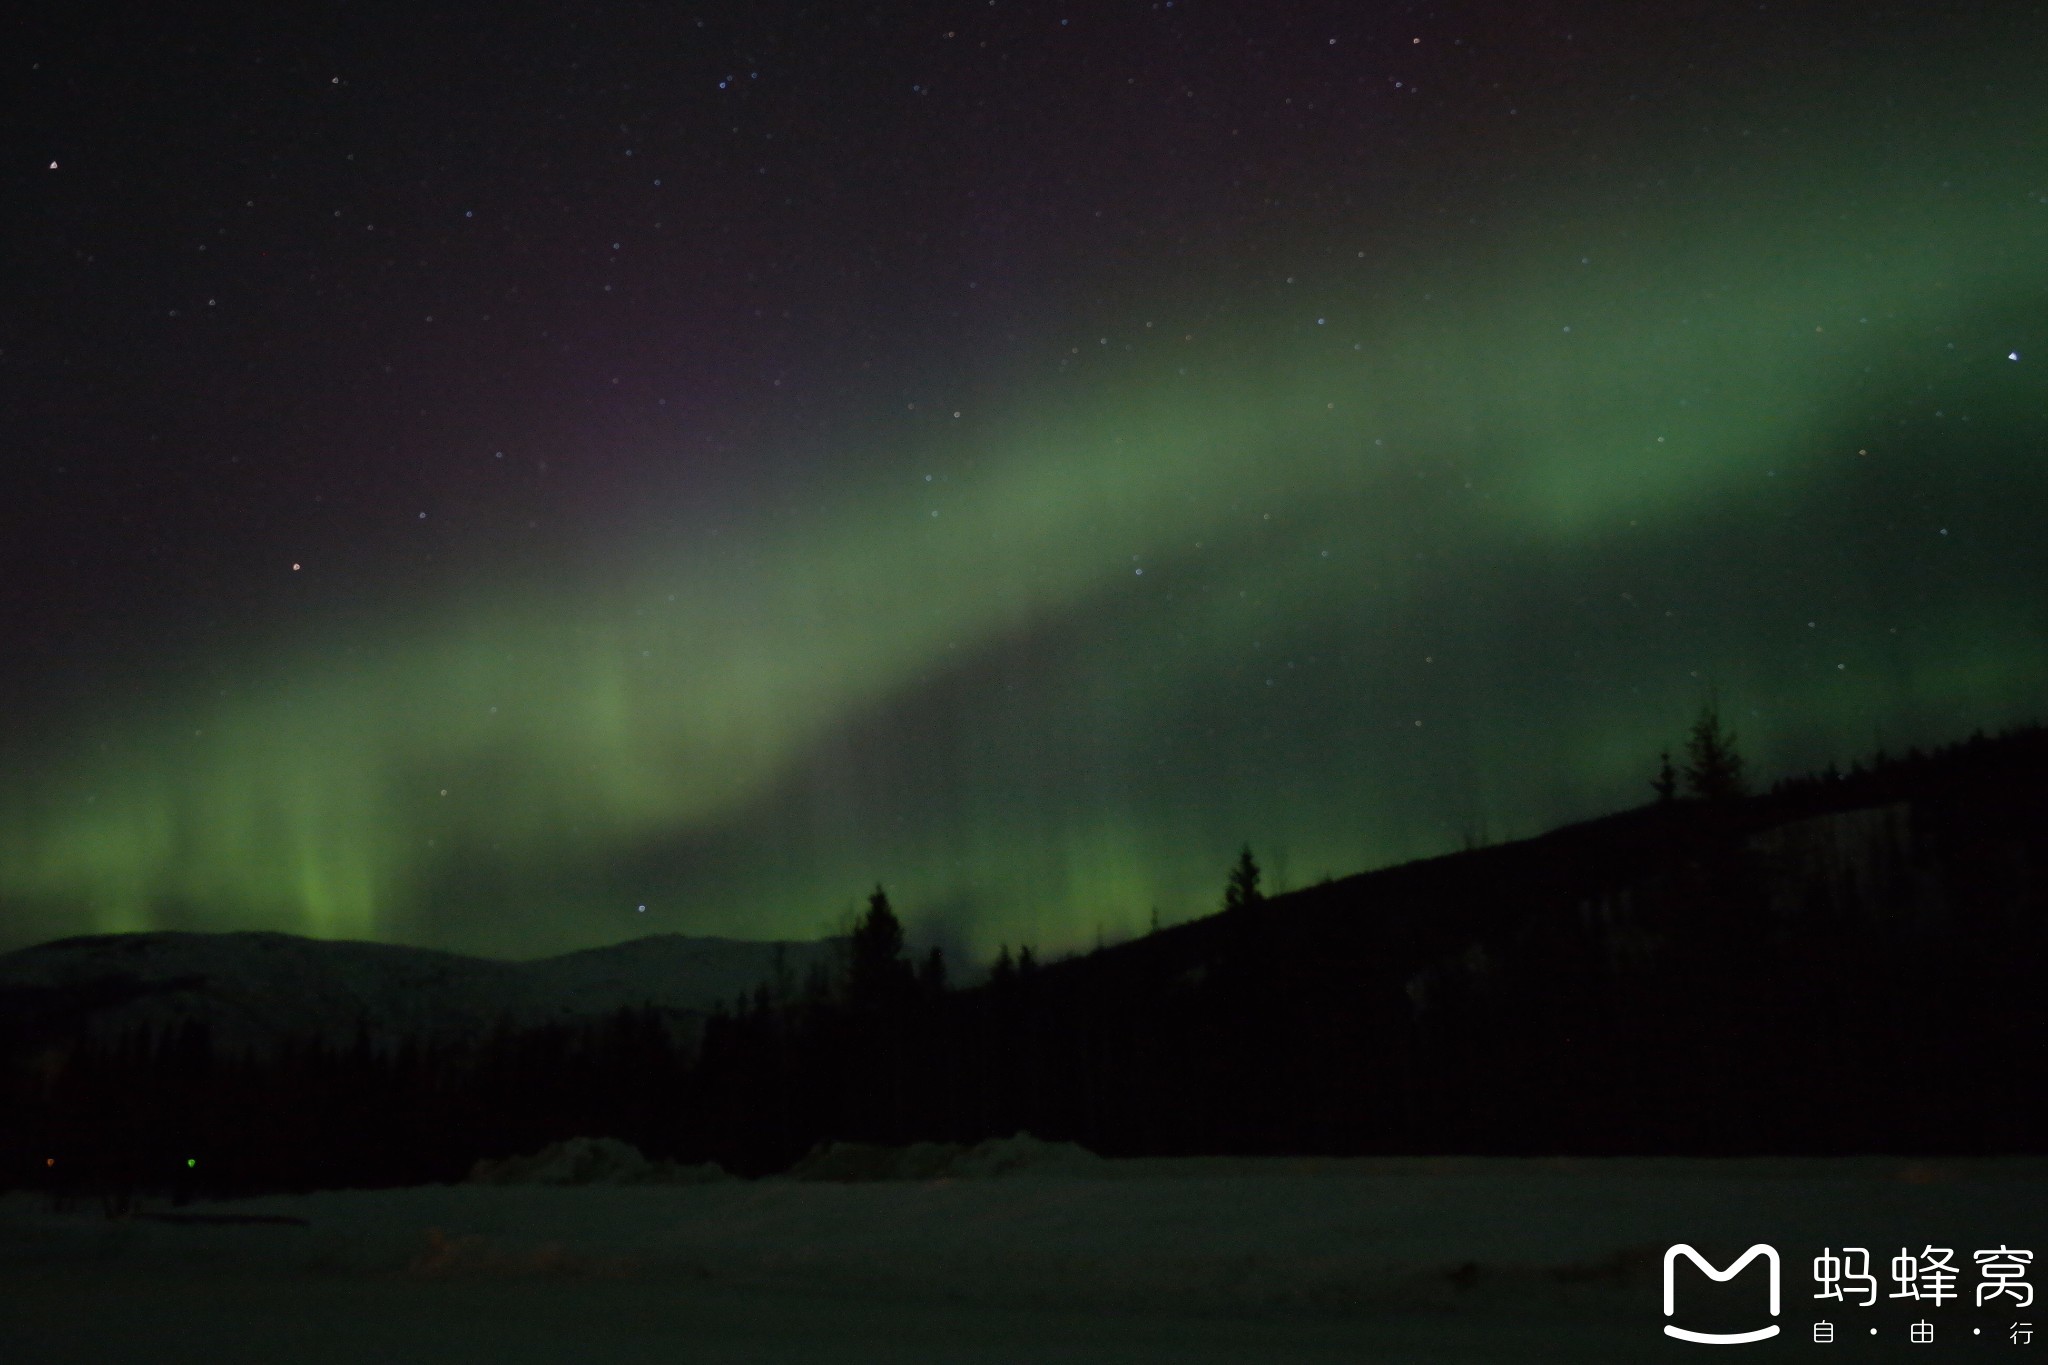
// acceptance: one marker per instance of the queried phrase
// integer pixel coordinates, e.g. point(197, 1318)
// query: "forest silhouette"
point(1848, 963)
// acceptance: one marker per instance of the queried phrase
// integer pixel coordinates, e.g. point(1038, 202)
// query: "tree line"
point(1711, 974)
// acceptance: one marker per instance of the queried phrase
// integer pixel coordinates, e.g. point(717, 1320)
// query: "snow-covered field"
point(1188, 1261)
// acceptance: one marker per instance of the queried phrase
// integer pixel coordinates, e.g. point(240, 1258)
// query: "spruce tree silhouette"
point(1242, 891)
point(877, 973)
point(1665, 783)
point(881, 993)
point(1713, 769)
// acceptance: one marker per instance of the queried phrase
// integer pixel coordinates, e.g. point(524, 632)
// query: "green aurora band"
point(1420, 547)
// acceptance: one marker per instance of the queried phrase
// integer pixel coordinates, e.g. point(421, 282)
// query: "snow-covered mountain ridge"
point(256, 989)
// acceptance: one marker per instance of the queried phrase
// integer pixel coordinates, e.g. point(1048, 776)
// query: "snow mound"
point(591, 1161)
point(1021, 1154)
point(1024, 1154)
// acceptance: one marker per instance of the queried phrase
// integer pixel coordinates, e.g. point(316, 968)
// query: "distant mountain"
point(255, 990)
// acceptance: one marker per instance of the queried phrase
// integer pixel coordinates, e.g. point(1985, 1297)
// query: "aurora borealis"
point(986, 470)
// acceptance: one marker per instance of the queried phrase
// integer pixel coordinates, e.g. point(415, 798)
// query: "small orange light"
point(49, 1161)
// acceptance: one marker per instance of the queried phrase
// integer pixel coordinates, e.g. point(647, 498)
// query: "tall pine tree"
point(877, 974)
point(1242, 891)
point(1713, 768)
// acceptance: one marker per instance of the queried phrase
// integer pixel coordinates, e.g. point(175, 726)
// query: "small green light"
point(191, 1161)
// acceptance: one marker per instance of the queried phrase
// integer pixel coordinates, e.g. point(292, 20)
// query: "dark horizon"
point(1724, 975)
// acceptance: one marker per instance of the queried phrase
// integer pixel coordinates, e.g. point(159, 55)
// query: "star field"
point(517, 482)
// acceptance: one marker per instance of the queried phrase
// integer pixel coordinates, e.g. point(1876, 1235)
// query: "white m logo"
point(1671, 1255)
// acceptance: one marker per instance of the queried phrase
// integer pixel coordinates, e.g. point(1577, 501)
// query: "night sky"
point(518, 478)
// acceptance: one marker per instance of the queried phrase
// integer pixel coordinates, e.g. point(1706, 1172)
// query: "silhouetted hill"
point(256, 991)
point(1847, 964)
point(1967, 825)
point(1687, 976)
